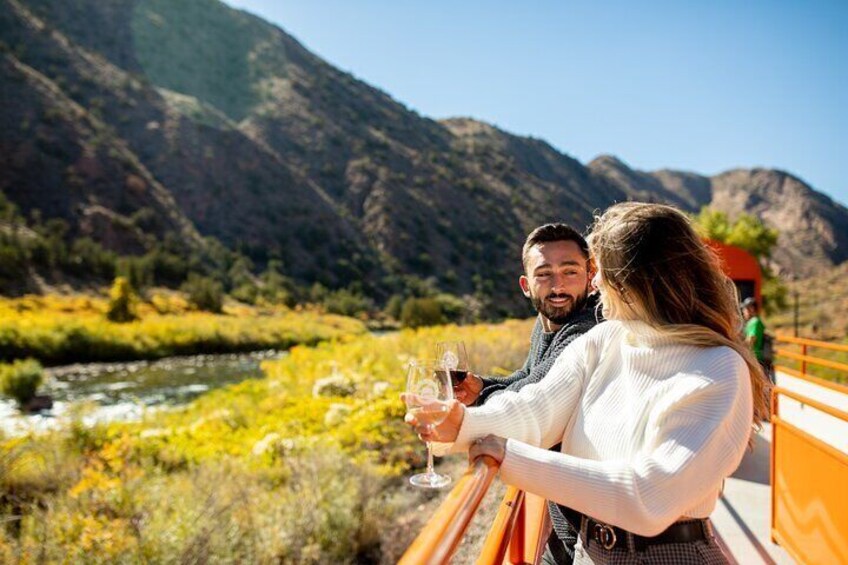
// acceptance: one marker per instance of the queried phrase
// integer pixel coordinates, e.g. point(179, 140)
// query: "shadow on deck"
point(743, 513)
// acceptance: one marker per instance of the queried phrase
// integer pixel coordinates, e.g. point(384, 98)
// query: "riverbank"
point(308, 464)
point(59, 330)
point(125, 391)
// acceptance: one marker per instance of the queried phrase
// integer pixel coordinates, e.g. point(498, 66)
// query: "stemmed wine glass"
point(428, 390)
point(452, 355)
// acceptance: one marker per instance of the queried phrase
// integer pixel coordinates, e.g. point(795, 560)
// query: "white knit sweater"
point(649, 428)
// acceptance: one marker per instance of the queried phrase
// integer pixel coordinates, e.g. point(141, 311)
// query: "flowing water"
point(125, 391)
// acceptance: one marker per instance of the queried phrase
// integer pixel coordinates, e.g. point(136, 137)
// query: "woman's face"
point(598, 284)
point(613, 306)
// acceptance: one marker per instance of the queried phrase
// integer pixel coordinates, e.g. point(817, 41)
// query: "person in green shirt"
point(755, 330)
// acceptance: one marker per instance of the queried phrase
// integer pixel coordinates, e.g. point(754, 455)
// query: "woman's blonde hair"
point(655, 268)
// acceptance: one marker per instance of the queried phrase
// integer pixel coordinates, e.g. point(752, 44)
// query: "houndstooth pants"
point(705, 552)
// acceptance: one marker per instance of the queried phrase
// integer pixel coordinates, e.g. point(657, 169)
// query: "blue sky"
point(703, 87)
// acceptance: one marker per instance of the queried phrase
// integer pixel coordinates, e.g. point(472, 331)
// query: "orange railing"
point(804, 360)
point(809, 475)
point(809, 480)
point(439, 539)
point(516, 533)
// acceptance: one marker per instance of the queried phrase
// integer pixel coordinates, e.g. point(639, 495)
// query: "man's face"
point(557, 279)
point(748, 312)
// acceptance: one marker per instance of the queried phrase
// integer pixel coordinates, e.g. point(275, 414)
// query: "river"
point(125, 391)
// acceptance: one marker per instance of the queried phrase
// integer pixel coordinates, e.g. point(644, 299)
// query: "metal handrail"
point(820, 406)
point(443, 533)
point(838, 387)
point(811, 342)
point(803, 359)
point(497, 542)
point(814, 360)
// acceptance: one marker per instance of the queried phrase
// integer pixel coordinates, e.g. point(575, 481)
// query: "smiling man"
point(556, 279)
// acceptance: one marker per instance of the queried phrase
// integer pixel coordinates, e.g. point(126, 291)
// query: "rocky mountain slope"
point(813, 233)
point(137, 118)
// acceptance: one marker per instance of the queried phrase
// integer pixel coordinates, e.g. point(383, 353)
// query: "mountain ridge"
point(261, 144)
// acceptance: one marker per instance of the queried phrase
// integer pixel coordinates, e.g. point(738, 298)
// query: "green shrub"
point(453, 307)
point(247, 293)
point(21, 379)
point(277, 288)
point(417, 312)
point(137, 270)
point(122, 301)
point(347, 303)
point(204, 293)
point(394, 307)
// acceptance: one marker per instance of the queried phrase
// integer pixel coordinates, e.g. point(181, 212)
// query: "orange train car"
point(742, 268)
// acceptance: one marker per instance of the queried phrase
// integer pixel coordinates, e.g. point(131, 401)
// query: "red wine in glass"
point(453, 357)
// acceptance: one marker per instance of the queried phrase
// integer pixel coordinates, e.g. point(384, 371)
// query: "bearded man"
point(556, 279)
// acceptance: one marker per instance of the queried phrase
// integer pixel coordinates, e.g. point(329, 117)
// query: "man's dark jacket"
point(544, 350)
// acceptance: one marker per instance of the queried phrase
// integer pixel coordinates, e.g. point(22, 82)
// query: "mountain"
point(812, 226)
point(136, 119)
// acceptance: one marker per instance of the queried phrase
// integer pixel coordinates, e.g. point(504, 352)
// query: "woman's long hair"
point(655, 268)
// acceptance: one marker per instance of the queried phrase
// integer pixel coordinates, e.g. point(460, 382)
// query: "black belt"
point(611, 537)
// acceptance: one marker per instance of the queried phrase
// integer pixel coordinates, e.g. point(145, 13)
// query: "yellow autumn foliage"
point(57, 329)
point(254, 472)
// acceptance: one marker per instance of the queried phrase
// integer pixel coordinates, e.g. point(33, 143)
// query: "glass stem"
point(430, 470)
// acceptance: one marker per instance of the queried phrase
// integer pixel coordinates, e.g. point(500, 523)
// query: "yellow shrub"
point(254, 472)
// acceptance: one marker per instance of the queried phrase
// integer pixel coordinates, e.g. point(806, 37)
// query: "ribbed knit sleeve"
point(697, 435)
point(538, 413)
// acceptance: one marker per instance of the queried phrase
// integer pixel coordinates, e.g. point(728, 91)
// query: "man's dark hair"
point(553, 232)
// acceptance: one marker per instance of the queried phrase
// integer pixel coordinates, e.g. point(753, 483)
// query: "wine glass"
point(452, 355)
point(428, 390)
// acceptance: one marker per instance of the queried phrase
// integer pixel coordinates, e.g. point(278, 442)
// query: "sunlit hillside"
point(822, 306)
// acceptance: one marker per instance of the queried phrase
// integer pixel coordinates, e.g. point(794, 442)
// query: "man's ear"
point(591, 270)
point(524, 283)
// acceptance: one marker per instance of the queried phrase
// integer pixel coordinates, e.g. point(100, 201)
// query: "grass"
point(59, 329)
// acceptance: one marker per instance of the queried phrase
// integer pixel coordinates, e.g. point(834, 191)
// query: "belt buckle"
point(604, 535)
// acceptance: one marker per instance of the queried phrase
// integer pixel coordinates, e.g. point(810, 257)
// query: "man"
point(755, 330)
point(755, 333)
point(556, 279)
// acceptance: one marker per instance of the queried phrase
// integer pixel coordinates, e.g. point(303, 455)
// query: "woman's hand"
point(491, 445)
point(445, 432)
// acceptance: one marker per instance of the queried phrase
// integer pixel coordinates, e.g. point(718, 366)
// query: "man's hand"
point(445, 432)
point(491, 445)
point(469, 389)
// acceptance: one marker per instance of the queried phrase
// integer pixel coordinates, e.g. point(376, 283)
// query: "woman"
point(653, 408)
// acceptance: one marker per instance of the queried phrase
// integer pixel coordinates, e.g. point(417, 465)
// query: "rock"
point(38, 403)
point(334, 385)
point(336, 414)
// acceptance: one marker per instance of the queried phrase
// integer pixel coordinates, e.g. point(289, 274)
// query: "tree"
point(122, 301)
point(749, 233)
point(419, 312)
point(21, 380)
point(205, 293)
point(394, 307)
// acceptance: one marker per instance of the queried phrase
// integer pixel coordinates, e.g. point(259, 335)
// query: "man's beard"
point(559, 314)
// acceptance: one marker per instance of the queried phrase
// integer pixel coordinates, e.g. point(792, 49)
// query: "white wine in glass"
point(428, 389)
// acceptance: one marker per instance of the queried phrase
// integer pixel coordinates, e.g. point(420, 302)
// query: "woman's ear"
point(591, 270)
